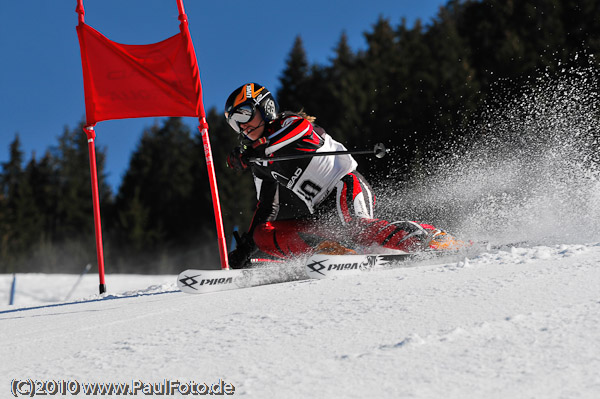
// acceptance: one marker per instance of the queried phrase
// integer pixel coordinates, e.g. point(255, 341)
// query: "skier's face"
point(254, 128)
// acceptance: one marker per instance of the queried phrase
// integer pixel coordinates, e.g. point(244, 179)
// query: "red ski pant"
point(351, 205)
point(285, 238)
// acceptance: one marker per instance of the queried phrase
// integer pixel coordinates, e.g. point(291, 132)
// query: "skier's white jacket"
point(294, 188)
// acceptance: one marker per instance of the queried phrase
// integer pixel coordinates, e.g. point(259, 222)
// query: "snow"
point(520, 322)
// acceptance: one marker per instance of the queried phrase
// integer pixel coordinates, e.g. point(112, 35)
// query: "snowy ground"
point(520, 323)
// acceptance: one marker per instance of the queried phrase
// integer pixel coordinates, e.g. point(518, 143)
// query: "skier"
point(316, 204)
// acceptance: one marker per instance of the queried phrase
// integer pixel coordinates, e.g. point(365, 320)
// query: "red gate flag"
point(134, 81)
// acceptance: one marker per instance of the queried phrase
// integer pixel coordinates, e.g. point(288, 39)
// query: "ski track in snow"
point(519, 323)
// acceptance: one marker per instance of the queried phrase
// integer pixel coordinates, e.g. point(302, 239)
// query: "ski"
point(317, 266)
point(321, 266)
point(193, 281)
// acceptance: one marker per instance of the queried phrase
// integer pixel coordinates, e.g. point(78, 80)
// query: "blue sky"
point(41, 86)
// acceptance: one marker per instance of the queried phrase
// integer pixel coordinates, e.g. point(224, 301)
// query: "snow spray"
point(527, 170)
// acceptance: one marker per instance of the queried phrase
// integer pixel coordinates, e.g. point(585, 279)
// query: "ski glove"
point(239, 258)
point(237, 159)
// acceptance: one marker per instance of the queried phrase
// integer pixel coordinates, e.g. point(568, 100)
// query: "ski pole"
point(236, 238)
point(378, 150)
point(11, 299)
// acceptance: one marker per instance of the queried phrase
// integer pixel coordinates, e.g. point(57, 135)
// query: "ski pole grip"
point(380, 150)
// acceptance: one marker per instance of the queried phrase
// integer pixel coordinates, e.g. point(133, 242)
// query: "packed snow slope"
point(517, 323)
point(521, 321)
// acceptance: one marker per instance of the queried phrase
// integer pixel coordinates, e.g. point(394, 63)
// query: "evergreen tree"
point(157, 210)
point(74, 206)
point(44, 179)
point(293, 92)
point(455, 92)
point(45, 256)
point(391, 87)
point(412, 88)
point(11, 242)
point(305, 88)
point(382, 68)
point(236, 188)
point(30, 217)
point(416, 83)
point(316, 98)
point(510, 40)
point(73, 234)
point(23, 215)
point(348, 100)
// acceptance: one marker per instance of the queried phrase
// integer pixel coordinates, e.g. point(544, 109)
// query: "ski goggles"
point(241, 114)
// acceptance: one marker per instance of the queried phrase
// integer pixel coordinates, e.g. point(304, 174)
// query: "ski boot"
point(333, 248)
point(439, 240)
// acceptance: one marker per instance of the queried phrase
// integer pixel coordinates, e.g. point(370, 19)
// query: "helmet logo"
point(250, 92)
point(270, 107)
point(239, 99)
point(247, 92)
